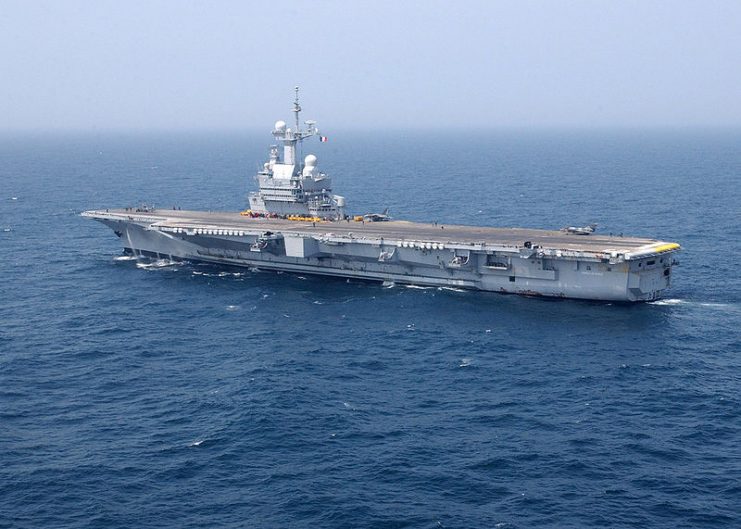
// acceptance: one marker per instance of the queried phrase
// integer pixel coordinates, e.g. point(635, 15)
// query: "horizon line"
point(353, 129)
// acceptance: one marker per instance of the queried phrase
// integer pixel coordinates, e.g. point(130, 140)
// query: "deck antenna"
point(299, 135)
point(297, 109)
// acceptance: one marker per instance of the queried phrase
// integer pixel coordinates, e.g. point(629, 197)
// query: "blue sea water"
point(157, 395)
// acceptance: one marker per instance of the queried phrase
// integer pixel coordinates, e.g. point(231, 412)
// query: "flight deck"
point(390, 230)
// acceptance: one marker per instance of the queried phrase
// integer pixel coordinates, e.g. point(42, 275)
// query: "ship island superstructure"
point(294, 223)
point(287, 187)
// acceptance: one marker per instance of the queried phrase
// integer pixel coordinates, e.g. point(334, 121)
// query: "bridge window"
point(511, 279)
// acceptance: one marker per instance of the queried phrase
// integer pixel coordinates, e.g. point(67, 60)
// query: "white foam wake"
point(159, 263)
point(687, 303)
point(664, 302)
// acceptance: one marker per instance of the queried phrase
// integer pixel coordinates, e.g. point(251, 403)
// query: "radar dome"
point(280, 126)
point(310, 160)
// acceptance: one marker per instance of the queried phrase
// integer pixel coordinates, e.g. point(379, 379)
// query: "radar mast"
point(290, 138)
point(297, 111)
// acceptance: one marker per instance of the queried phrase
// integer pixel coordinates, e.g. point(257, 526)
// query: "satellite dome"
point(280, 126)
point(310, 160)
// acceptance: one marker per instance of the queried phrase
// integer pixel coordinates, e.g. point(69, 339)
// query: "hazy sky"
point(127, 64)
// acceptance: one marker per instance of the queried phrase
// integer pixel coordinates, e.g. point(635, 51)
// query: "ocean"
point(140, 394)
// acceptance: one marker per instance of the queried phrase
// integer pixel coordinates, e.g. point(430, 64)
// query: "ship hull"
point(383, 253)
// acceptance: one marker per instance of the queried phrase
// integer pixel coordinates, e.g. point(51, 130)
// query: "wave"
point(159, 263)
point(664, 302)
point(688, 303)
point(125, 258)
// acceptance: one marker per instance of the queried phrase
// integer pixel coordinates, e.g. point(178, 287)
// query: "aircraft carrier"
point(294, 223)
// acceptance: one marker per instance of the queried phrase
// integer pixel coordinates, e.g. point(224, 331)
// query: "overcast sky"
point(129, 64)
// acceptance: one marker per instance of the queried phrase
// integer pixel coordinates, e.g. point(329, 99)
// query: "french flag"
point(323, 139)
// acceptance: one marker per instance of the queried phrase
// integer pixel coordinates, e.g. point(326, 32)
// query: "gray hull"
point(527, 262)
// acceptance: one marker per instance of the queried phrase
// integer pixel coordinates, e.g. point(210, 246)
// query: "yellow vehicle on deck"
point(302, 218)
